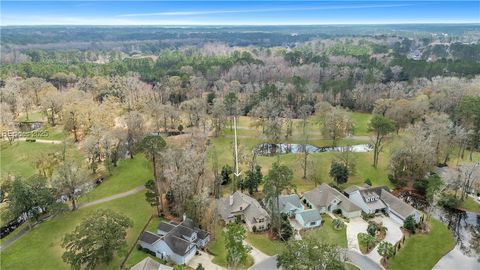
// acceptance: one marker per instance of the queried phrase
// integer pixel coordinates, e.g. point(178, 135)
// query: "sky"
point(236, 12)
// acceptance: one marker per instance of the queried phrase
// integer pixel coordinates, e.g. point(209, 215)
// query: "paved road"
point(363, 262)
point(268, 264)
point(113, 197)
point(24, 231)
point(14, 238)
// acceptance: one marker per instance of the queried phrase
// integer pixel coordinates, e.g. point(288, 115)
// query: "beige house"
point(239, 206)
point(325, 198)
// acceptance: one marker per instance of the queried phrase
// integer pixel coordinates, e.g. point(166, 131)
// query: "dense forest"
point(105, 95)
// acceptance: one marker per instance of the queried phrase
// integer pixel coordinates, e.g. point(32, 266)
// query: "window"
point(313, 223)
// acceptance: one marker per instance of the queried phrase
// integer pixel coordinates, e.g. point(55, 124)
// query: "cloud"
point(212, 12)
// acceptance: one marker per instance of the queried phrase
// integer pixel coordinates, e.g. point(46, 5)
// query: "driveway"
point(362, 261)
point(354, 227)
point(394, 234)
point(205, 259)
point(256, 254)
point(267, 264)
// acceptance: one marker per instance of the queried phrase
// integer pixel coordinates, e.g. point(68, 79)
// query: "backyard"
point(40, 248)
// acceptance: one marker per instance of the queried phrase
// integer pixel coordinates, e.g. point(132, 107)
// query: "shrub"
point(337, 224)
point(254, 228)
point(449, 201)
point(366, 216)
point(396, 181)
point(372, 229)
point(368, 182)
point(410, 224)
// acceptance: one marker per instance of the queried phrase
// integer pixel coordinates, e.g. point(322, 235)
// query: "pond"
point(269, 149)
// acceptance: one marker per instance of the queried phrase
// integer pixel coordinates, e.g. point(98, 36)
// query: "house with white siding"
point(177, 242)
point(379, 199)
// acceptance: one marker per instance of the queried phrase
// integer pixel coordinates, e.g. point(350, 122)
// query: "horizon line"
point(263, 24)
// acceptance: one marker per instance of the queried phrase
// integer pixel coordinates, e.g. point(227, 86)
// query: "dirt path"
point(42, 141)
point(113, 197)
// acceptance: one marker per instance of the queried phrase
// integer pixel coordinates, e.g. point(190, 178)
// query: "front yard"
point(327, 233)
point(263, 243)
point(216, 247)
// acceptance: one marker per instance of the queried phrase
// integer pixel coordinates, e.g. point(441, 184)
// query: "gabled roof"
point(396, 204)
point(165, 226)
point(310, 215)
point(351, 189)
point(239, 203)
point(149, 237)
point(177, 244)
point(150, 264)
point(324, 195)
point(182, 231)
point(289, 202)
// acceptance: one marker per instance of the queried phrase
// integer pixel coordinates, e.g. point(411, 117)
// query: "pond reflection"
point(270, 149)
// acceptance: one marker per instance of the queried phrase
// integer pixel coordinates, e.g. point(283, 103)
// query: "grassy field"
point(264, 244)
point(422, 251)
point(217, 248)
point(19, 158)
point(471, 205)
point(32, 116)
point(129, 174)
point(328, 234)
point(249, 138)
point(40, 248)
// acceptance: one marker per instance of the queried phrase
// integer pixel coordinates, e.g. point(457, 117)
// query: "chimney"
point(184, 217)
point(231, 200)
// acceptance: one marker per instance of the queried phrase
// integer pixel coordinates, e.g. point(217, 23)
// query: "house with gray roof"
point(290, 204)
point(379, 199)
point(326, 198)
point(177, 242)
point(309, 218)
point(150, 264)
point(239, 206)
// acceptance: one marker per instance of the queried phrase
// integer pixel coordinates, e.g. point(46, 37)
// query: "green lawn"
point(129, 174)
point(364, 169)
point(54, 133)
point(361, 122)
point(264, 244)
point(40, 248)
point(471, 205)
point(19, 158)
point(32, 116)
point(217, 248)
point(328, 234)
point(422, 251)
